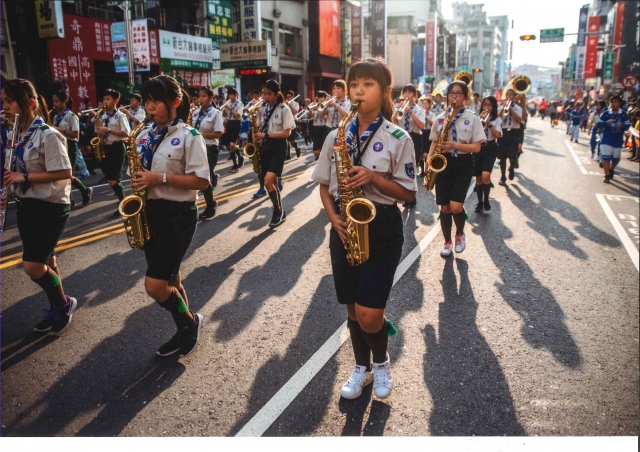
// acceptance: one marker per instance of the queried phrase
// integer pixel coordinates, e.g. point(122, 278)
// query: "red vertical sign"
point(154, 47)
point(617, 37)
point(591, 54)
point(430, 49)
point(356, 33)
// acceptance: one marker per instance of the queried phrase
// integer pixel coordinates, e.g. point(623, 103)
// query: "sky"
point(529, 17)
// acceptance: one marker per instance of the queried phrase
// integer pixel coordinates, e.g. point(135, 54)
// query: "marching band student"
point(208, 121)
point(135, 113)
point(232, 115)
point(429, 118)
point(413, 123)
point(319, 130)
point(40, 176)
point(115, 129)
point(68, 124)
point(276, 124)
point(438, 106)
point(384, 168)
point(338, 108)
point(465, 138)
point(303, 124)
point(484, 160)
point(174, 168)
point(522, 102)
point(291, 140)
point(613, 122)
point(510, 141)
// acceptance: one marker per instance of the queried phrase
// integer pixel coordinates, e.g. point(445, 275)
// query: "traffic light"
point(528, 38)
point(477, 69)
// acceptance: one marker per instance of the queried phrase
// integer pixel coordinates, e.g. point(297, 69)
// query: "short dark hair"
point(615, 96)
point(321, 93)
point(113, 93)
point(411, 88)
point(166, 89)
point(476, 94)
point(494, 106)
point(255, 91)
point(463, 86)
point(290, 93)
point(232, 90)
point(340, 84)
point(207, 90)
point(137, 97)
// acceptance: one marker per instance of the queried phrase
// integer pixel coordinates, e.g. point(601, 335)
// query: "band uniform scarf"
point(335, 112)
point(267, 117)
point(454, 132)
point(59, 117)
point(154, 138)
point(407, 119)
point(202, 115)
point(353, 130)
point(19, 161)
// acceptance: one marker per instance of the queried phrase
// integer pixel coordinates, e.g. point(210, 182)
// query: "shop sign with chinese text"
point(185, 51)
point(245, 54)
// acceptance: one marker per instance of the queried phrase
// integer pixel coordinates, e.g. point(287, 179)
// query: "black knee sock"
point(179, 310)
point(183, 294)
point(503, 168)
point(261, 180)
point(479, 192)
point(76, 183)
point(446, 221)
point(208, 196)
point(361, 349)
point(214, 179)
point(118, 189)
point(378, 343)
point(275, 199)
point(459, 219)
point(234, 157)
point(486, 188)
point(52, 286)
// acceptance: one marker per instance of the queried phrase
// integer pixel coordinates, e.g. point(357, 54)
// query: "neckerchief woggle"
point(267, 117)
point(202, 115)
point(59, 117)
point(19, 161)
point(454, 133)
point(154, 138)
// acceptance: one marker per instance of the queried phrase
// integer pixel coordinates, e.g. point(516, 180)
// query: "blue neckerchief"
point(454, 132)
point(59, 117)
point(407, 119)
point(335, 111)
point(202, 115)
point(353, 130)
point(131, 120)
point(105, 121)
point(154, 137)
point(267, 117)
point(19, 160)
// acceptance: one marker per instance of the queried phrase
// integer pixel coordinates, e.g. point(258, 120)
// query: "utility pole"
point(125, 6)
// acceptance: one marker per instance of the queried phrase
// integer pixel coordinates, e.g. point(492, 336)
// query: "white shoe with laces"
point(382, 380)
point(461, 243)
point(360, 378)
point(447, 249)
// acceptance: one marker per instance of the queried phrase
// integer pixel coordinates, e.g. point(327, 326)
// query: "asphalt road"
point(533, 330)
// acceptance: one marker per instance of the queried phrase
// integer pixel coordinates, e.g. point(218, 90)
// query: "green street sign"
point(552, 35)
point(609, 58)
point(463, 68)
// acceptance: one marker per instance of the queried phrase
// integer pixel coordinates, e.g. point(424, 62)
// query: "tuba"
point(356, 210)
point(97, 143)
point(252, 148)
point(132, 208)
point(438, 162)
point(466, 77)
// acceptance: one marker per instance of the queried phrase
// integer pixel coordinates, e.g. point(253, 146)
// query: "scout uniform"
point(210, 122)
point(508, 147)
point(273, 151)
point(484, 160)
point(67, 120)
point(334, 117)
point(114, 149)
point(410, 126)
point(138, 113)
point(231, 124)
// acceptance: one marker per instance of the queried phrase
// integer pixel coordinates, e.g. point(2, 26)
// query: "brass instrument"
point(401, 111)
point(97, 143)
point(356, 210)
point(84, 112)
point(132, 208)
point(484, 118)
point(252, 148)
point(324, 104)
point(466, 77)
point(10, 153)
point(287, 101)
point(438, 162)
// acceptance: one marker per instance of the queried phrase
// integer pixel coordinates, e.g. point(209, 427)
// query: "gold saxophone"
point(438, 162)
point(97, 143)
point(356, 210)
point(132, 208)
point(252, 148)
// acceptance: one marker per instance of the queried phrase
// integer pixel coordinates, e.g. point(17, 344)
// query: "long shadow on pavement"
point(470, 392)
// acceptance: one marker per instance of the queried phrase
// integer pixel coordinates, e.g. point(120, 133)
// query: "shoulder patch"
point(398, 133)
point(194, 132)
point(44, 127)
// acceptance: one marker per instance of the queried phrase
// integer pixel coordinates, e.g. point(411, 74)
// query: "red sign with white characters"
point(591, 54)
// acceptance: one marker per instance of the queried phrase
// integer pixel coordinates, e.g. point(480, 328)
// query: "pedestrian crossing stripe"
point(398, 133)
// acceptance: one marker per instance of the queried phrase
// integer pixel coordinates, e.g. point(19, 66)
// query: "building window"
point(290, 41)
point(487, 34)
point(267, 30)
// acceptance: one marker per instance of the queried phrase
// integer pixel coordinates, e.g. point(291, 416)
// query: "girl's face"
point(158, 110)
point(58, 104)
point(10, 107)
point(407, 95)
point(338, 91)
point(269, 96)
point(455, 94)
point(426, 105)
point(486, 105)
point(203, 98)
point(368, 92)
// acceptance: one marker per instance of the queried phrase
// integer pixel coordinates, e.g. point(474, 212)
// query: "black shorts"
point(522, 129)
point(72, 151)
point(293, 135)
point(426, 142)
point(212, 157)
point(417, 144)
point(453, 183)
point(40, 224)
point(272, 155)
point(553, 115)
point(231, 133)
point(369, 284)
point(508, 144)
point(172, 225)
point(484, 160)
point(111, 165)
point(318, 136)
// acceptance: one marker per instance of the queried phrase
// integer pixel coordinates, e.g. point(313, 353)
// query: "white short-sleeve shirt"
point(413, 127)
point(236, 106)
point(212, 122)
point(139, 113)
point(509, 122)
point(468, 128)
point(390, 153)
point(117, 122)
point(334, 116)
point(281, 119)
point(497, 124)
point(67, 120)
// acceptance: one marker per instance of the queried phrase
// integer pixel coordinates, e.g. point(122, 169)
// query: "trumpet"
point(302, 113)
point(401, 111)
point(224, 105)
point(84, 112)
point(125, 107)
point(484, 118)
point(324, 104)
point(287, 101)
point(505, 108)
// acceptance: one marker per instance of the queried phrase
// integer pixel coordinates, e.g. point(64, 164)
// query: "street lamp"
point(528, 38)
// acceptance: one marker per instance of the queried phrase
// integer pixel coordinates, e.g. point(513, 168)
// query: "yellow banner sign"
point(49, 17)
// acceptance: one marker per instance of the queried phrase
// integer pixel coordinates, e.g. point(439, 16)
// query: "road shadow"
point(118, 379)
point(470, 392)
point(543, 321)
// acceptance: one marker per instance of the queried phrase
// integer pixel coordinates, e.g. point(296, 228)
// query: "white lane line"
point(622, 233)
point(92, 186)
point(576, 158)
point(287, 394)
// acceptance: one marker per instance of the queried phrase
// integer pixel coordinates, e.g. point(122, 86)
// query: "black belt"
point(384, 206)
point(511, 129)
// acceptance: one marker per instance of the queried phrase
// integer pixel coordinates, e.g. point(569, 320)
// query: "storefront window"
point(290, 41)
point(267, 30)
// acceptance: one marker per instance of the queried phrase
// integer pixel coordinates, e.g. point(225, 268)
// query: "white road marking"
point(575, 157)
point(92, 186)
point(287, 394)
point(624, 237)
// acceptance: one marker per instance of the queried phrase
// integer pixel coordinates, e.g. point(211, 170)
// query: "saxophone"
point(98, 142)
point(252, 149)
point(10, 154)
point(438, 162)
point(132, 208)
point(356, 210)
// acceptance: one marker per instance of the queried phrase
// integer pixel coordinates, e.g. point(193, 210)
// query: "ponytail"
point(42, 109)
point(280, 98)
point(387, 108)
point(184, 108)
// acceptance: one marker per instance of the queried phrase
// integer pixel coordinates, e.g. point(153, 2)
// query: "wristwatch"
point(164, 178)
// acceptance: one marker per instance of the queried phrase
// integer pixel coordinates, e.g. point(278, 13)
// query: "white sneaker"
point(382, 381)
point(360, 378)
point(461, 243)
point(447, 249)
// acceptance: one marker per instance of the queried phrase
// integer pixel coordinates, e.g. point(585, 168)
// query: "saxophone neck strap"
point(367, 136)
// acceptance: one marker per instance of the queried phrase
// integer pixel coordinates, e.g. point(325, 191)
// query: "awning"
point(325, 66)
